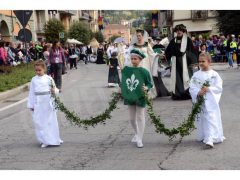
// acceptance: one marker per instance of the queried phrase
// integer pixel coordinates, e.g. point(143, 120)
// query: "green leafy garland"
point(187, 125)
point(92, 121)
point(184, 129)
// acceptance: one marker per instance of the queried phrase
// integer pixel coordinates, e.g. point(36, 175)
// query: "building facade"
point(196, 21)
point(67, 17)
point(117, 30)
point(10, 26)
point(89, 17)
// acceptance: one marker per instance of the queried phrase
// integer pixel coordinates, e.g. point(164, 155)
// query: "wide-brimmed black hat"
point(180, 27)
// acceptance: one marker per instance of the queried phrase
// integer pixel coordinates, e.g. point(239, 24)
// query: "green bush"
point(112, 38)
point(52, 29)
point(19, 75)
point(99, 36)
point(81, 32)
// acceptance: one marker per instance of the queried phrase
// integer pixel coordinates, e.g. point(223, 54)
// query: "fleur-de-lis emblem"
point(132, 83)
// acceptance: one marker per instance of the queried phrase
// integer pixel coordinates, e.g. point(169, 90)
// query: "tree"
point(81, 32)
point(148, 24)
point(52, 29)
point(99, 36)
point(112, 38)
point(228, 21)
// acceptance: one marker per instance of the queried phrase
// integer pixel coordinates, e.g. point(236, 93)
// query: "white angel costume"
point(121, 55)
point(44, 113)
point(209, 123)
point(148, 62)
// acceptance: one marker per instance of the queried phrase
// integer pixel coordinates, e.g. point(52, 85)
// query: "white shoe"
point(61, 141)
point(134, 139)
point(44, 146)
point(139, 144)
point(209, 144)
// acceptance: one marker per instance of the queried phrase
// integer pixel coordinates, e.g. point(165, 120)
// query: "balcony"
point(169, 15)
point(199, 15)
point(84, 15)
point(67, 12)
point(169, 18)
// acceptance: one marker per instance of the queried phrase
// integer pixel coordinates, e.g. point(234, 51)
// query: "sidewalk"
point(13, 92)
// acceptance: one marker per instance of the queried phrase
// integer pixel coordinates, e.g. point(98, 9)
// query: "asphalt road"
point(108, 147)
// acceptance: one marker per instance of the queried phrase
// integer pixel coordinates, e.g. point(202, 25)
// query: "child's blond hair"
point(40, 63)
point(206, 55)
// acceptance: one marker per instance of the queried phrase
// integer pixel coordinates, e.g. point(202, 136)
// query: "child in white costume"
point(209, 123)
point(41, 105)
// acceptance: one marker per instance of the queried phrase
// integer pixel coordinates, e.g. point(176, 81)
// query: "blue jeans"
point(57, 69)
point(230, 60)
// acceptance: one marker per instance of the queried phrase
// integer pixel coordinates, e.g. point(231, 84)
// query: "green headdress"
point(138, 53)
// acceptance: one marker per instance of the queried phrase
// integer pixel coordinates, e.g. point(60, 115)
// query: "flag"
point(132, 83)
point(100, 23)
point(154, 18)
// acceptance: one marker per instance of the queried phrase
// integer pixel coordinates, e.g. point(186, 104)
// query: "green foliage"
point(81, 32)
point(52, 29)
point(16, 76)
point(187, 125)
point(92, 121)
point(228, 21)
point(148, 24)
point(115, 16)
point(206, 35)
point(92, 35)
point(112, 38)
point(99, 36)
point(184, 129)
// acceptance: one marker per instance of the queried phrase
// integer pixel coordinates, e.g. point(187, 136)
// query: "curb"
point(13, 92)
point(221, 64)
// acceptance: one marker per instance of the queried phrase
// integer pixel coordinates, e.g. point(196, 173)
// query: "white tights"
point(137, 119)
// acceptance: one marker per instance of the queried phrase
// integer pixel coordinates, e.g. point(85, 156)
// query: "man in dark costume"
point(158, 48)
point(181, 55)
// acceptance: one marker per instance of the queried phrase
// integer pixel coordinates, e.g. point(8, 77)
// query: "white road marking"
point(14, 104)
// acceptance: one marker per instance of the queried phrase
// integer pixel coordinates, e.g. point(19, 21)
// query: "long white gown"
point(147, 63)
point(209, 123)
point(44, 114)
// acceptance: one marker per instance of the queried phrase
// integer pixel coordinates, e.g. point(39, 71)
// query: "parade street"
point(108, 147)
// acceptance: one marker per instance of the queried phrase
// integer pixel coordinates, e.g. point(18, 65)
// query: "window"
point(199, 14)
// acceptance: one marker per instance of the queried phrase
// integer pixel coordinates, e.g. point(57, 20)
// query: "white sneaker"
point(61, 141)
point(209, 144)
point(139, 144)
point(134, 139)
point(44, 146)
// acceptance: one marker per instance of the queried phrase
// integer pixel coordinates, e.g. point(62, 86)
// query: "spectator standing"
point(238, 52)
point(56, 59)
point(231, 48)
point(3, 54)
point(72, 56)
point(89, 52)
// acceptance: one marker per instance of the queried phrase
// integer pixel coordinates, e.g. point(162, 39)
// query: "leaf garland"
point(92, 121)
point(184, 129)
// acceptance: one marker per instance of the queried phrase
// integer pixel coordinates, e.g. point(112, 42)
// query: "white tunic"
point(209, 123)
point(147, 63)
point(44, 114)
